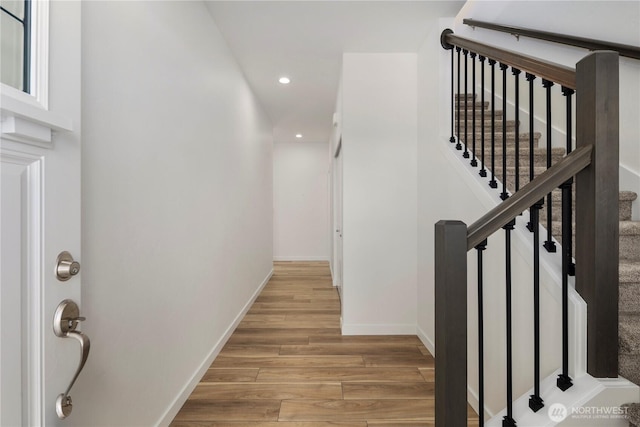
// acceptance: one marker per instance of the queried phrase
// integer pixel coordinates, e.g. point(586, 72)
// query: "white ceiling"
point(305, 40)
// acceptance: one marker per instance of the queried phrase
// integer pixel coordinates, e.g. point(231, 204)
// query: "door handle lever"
point(65, 322)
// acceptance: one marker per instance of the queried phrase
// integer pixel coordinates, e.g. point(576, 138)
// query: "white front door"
point(40, 218)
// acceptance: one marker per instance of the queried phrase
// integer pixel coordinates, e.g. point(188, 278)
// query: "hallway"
point(288, 365)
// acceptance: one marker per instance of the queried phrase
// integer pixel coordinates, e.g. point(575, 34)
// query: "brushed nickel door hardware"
point(66, 267)
point(65, 322)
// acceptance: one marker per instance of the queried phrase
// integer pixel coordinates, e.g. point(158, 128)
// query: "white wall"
point(435, 195)
point(177, 205)
point(300, 201)
point(379, 114)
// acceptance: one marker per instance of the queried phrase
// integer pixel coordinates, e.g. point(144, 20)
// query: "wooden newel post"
point(597, 244)
point(451, 323)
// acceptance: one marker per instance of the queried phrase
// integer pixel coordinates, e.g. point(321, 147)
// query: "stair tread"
point(629, 272)
point(524, 148)
point(633, 413)
point(471, 103)
point(488, 119)
point(629, 228)
point(629, 333)
point(478, 112)
point(628, 195)
point(477, 106)
point(537, 170)
point(509, 134)
point(463, 95)
point(487, 125)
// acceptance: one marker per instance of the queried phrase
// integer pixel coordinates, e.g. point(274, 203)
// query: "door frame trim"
point(32, 283)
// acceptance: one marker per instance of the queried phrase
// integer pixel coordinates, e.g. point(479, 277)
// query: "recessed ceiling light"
point(298, 135)
point(284, 80)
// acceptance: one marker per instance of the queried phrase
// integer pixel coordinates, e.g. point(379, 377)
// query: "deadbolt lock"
point(66, 267)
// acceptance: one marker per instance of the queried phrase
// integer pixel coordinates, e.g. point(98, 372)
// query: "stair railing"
point(594, 163)
point(586, 43)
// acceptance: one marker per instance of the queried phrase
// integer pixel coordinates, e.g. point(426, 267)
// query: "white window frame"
point(25, 117)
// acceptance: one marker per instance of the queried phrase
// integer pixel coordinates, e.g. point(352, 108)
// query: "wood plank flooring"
point(287, 365)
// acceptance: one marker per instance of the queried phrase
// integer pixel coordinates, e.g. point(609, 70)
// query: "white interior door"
point(40, 218)
point(337, 204)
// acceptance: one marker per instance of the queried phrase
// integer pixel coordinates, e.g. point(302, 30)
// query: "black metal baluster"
point(508, 420)
point(569, 245)
point(493, 183)
point(458, 145)
point(483, 170)
point(549, 244)
point(530, 78)
point(481, 247)
point(535, 401)
point(504, 195)
point(466, 105)
point(474, 160)
point(564, 381)
point(516, 74)
point(453, 101)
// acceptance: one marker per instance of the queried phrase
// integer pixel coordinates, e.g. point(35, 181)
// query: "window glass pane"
point(12, 51)
point(14, 6)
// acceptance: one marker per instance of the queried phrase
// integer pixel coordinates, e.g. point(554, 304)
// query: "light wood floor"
point(287, 365)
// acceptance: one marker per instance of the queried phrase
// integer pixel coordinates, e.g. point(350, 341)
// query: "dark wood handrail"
point(556, 73)
point(528, 195)
point(623, 49)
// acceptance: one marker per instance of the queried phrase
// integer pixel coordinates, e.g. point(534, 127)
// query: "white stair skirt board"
point(550, 266)
point(590, 402)
point(603, 397)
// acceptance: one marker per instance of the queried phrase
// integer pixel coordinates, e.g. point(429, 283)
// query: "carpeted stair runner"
point(629, 305)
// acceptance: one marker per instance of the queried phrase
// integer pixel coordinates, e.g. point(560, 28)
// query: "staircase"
point(629, 290)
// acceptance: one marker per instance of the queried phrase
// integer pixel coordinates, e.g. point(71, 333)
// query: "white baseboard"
point(186, 391)
point(378, 329)
point(333, 277)
point(426, 341)
point(301, 258)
